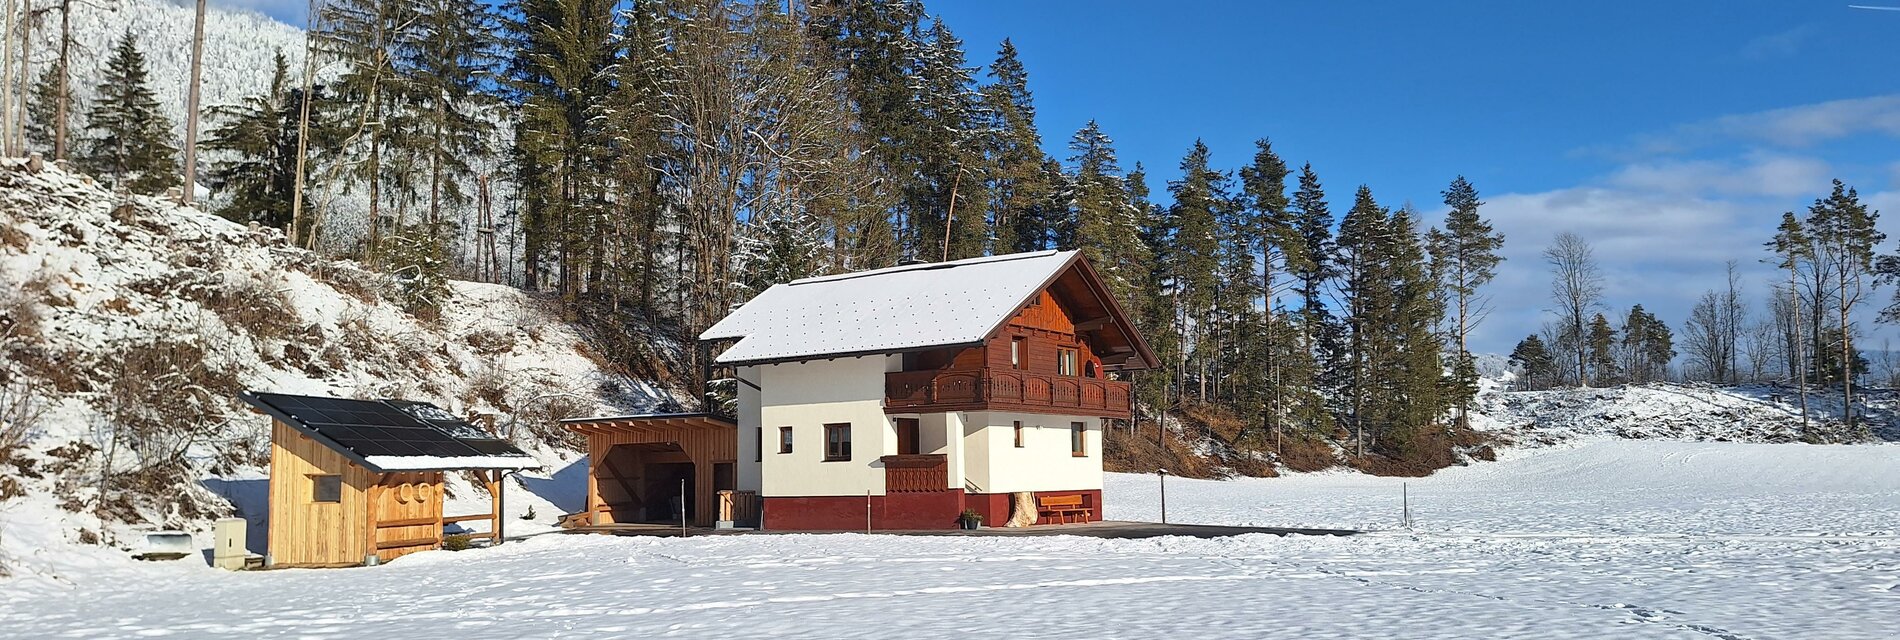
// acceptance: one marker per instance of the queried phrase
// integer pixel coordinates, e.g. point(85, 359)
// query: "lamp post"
point(1162, 474)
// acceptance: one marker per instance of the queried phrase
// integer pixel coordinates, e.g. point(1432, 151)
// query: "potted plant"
point(970, 519)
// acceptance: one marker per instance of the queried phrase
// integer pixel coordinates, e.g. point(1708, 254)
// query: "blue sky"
point(1669, 134)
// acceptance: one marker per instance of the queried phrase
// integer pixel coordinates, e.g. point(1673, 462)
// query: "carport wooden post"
point(593, 478)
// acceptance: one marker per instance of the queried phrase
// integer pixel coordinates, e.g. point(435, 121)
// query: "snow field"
point(1606, 539)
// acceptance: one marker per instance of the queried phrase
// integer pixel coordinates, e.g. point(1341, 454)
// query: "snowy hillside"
point(130, 324)
point(239, 46)
point(1663, 410)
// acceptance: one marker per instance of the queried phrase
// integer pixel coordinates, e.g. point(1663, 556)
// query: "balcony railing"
point(1005, 390)
point(916, 473)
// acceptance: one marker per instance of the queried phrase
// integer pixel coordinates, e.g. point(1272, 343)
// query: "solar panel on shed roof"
point(397, 434)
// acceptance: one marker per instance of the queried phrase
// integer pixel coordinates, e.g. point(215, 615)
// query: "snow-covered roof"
point(885, 310)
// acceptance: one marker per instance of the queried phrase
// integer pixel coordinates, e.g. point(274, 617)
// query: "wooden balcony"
point(1005, 390)
point(916, 473)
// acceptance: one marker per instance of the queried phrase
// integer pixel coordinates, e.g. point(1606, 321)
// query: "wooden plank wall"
point(1047, 327)
point(406, 514)
point(703, 445)
point(305, 533)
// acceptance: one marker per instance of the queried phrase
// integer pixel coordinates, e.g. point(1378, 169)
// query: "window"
point(837, 442)
point(784, 439)
point(1078, 439)
point(1065, 362)
point(1018, 347)
point(326, 488)
point(1019, 434)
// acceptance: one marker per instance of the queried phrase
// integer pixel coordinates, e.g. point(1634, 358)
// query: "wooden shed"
point(355, 482)
point(639, 466)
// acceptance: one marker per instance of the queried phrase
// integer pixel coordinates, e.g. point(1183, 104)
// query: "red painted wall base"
point(929, 510)
point(995, 506)
point(901, 511)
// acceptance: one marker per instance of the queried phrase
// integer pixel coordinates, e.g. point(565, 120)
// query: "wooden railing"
point(1006, 389)
point(739, 507)
point(916, 473)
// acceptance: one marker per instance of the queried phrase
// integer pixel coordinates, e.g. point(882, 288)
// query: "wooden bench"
point(1062, 507)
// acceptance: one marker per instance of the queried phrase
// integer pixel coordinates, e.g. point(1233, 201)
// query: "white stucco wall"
point(1044, 462)
point(808, 395)
point(749, 459)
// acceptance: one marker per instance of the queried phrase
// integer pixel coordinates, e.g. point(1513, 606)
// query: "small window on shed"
point(326, 488)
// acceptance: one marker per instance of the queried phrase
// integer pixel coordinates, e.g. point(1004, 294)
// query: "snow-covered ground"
point(1606, 539)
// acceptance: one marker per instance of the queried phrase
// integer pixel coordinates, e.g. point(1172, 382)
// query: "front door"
point(906, 436)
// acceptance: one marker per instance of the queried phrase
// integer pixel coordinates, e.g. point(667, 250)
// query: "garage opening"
point(643, 482)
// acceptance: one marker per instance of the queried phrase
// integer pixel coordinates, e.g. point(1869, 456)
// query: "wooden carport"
point(706, 440)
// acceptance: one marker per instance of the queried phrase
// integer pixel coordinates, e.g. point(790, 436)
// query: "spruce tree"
point(1466, 257)
point(1106, 219)
point(256, 141)
point(448, 57)
point(128, 141)
point(1201, 199)
point(1313, 223)
point(948, 204)
point(42, 110)
point(1269, 226)
point(1366, 289)
point(1023, 209)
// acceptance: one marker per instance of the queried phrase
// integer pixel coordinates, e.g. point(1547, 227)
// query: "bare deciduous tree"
point(1576, 288)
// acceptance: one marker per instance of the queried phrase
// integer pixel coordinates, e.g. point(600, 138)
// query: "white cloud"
point(1780, 45)
point(1788, 127)
point(1758, 174)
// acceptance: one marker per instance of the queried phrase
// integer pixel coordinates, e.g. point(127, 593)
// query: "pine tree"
point(1535, 362)
point(128, 142)
point(1793, 249)
point(1844, 234)
point(1602, 345)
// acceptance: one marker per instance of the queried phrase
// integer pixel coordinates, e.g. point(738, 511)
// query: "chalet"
point(894, 399)
point(356, 482)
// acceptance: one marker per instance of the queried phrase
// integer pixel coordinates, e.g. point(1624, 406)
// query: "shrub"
point(491, 342)
point(253, 305)
point(456, 542)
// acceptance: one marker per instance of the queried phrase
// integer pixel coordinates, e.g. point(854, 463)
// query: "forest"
point(655, 162)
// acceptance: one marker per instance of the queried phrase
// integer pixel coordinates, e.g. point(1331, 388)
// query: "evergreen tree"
point(1466, 257)
point(948, 203)
point(1107, 221)
point(779, 248)
point(377, 132)
point(1793, 250)
point(1021, 188)
point(1647, 347)
point(1366, 289)
point(128, 140)
point(42, 110)
point(1602, 345)
point(1268, 225)
point(1201, 199)
point(448, 56)
point(257, 140)
point(1844, 234)
point(1313, 223)
point(1534, 362)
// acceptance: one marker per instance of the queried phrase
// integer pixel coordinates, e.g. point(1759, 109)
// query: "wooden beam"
point(410, 522)
point(412, 542)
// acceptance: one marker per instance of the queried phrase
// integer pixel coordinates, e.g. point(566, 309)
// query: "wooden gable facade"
point(1055, 355)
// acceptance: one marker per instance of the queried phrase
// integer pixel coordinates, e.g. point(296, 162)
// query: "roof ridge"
point(927, 266)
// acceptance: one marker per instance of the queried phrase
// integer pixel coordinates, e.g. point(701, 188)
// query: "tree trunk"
point(190, 188)
point(63, 108)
